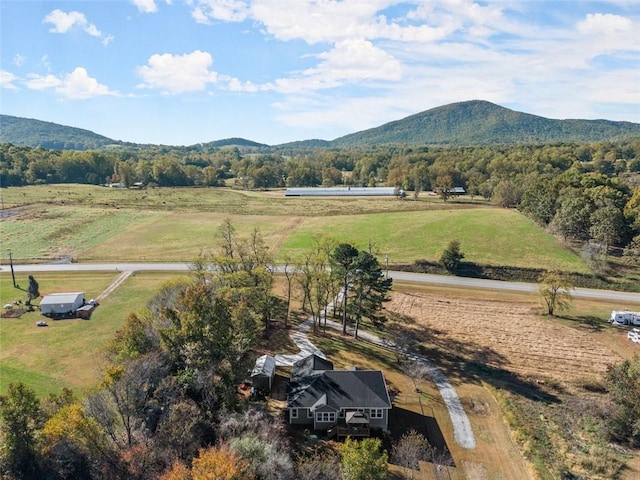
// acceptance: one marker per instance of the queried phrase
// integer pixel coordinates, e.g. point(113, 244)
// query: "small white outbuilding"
point(263, 372)
point(61, 303)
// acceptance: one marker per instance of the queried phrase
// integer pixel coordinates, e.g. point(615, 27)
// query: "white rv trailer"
point(622, 317)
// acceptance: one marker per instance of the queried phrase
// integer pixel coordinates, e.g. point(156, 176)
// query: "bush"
point(451, 257)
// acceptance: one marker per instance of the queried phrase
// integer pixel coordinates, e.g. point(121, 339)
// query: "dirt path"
point(116, 283)
point(277, 241)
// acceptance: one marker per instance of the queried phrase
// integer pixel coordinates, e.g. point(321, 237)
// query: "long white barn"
point(340, 192)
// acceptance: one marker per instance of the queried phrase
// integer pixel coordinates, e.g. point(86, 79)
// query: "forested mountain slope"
point(36, 133)
point(469, 123)
point(483, 123)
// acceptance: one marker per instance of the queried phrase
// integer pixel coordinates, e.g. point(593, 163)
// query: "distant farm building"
point(60, 304)
point(341, 192)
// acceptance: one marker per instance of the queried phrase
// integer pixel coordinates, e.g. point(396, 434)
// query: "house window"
point(341, 415)
point(325, 417)
point(377, 413)
point(294, 413)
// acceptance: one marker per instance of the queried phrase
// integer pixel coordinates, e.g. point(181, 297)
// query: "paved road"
point(400, 276)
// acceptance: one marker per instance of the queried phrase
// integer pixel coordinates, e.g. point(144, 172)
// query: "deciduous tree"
point(411, 449)
point(21, 419)
point(623, 382)
point(444, 185)
point(219, 463)
point(363, 460)
point(555, 290)
point(608, 227)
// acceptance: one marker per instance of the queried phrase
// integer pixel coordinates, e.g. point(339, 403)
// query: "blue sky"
point(180, 72)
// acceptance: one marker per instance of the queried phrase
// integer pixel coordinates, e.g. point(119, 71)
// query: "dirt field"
point(505, 336)
point(488, 344)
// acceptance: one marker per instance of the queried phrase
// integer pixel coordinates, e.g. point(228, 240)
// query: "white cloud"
point(225, 10)
point(42, 82)
point(604, 23)
point(107, 39)
point(235, 85)
point(63, 22)
point(77, 85)
point(146, 6)
point(7, 80)
point(178, 73)
point(350, 61)
point(19, 59)
point(317, 21)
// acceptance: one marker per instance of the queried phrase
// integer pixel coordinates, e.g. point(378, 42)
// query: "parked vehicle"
point(625, 318)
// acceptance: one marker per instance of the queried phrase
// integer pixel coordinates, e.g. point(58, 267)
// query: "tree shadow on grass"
point(403, 421)
point(587, 322)
point(469, 362)
point(332, 343)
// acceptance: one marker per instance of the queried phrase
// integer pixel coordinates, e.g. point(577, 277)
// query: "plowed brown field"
point(507, 336)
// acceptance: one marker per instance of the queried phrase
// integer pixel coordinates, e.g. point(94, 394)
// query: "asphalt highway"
point(399, 276)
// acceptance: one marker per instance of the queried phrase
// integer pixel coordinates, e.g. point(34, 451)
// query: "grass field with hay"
point(99, 224)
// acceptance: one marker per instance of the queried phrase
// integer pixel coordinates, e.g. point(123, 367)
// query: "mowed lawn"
point(67, 353)
point(486, 235)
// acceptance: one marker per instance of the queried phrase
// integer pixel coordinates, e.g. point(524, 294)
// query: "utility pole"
point(13, 276)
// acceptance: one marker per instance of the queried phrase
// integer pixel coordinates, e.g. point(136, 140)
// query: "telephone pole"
point(13, 276)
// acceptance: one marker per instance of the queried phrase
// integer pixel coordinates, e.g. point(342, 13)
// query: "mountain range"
point(473, 122)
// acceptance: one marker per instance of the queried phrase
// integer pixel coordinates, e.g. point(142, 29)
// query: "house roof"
point(60, 298)
point(343, 389)
point(305, 370)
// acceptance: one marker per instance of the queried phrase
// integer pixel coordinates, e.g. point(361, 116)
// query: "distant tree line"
point(581, 192)
point(478, 169)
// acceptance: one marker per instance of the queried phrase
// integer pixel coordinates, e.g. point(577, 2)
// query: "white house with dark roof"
point(345, 402)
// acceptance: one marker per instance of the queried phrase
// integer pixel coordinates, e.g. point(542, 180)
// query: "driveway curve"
point(462, 431)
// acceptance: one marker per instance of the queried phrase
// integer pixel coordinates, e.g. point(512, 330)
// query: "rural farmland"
point(51, 222)
point(496, 348)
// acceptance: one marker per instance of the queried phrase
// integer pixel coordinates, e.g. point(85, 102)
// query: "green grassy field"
point(486, 236)
point(93, 224)
point(67, 353)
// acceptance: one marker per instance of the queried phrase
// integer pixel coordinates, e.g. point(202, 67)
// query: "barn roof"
point(339, 191)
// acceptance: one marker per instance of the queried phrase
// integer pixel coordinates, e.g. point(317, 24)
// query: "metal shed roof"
point(265, 365)
point(60, 298)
